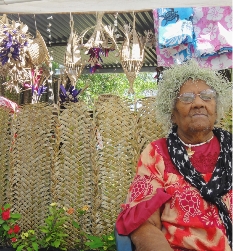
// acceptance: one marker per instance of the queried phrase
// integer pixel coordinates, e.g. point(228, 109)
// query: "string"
point(35, 21)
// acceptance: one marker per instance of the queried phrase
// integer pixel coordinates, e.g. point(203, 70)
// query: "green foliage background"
point(117, 83)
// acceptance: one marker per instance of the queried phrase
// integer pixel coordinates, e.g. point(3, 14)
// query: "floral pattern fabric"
point(212, 46)
point(189, 222)
point(175, 26)
point(10, 104)
point(213, 30)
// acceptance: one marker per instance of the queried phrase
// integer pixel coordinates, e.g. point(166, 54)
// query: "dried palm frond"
point(112, 159)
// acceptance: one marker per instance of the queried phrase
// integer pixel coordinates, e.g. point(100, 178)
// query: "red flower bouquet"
point(8, 228)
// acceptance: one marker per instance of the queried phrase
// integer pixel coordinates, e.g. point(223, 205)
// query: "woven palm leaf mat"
point(74, 158)
point(5, 144)
point(72, 174)
point(31, 161)
point(226, 121)
point(113, 159)
point(148, 128)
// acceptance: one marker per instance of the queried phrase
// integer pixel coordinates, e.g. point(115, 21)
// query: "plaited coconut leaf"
point(74, 160)
point(38, 50)
point(226, 121)
point(5, 145)
point(71, 177)
point(113, 157)
point(148, 128)
point(31, 162)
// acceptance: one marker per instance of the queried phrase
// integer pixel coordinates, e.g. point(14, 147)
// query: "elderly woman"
point(181, 198)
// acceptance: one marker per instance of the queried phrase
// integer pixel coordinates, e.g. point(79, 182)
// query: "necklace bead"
point(200, 144)
point(189, 150)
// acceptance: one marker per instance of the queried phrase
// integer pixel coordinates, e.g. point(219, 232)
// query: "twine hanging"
point(132, 55)
point(100, 43)
point(73, 60)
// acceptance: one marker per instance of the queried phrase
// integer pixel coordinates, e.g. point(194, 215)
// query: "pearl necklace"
point(189, 150)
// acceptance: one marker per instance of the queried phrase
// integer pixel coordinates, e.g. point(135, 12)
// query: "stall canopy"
point(52, 20)
point(87, 6)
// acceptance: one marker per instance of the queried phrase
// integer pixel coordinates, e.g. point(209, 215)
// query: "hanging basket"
point(75, 72)
point(73, 60)
point(132, 55)
point(38, 50)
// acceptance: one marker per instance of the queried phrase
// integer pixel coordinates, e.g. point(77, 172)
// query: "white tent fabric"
point(88, 6)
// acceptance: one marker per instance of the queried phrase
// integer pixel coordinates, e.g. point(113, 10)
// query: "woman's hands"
point(149, 237)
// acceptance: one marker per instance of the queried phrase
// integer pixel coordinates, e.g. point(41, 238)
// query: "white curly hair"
point(174, 77)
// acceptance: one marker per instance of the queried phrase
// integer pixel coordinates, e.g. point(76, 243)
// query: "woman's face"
point(198, 116)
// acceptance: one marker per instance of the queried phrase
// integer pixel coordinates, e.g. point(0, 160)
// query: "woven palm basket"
point(75, 72)
point(132, 56)
point(38, 50)
point(31, 161)
point(98, 36)
point(112, 159)
point(73, 58)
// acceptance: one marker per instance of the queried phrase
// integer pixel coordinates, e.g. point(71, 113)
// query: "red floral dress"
point(189, 222)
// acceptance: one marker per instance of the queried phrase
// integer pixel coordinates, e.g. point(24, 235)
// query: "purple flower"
point(73, 93)
point(41, 89)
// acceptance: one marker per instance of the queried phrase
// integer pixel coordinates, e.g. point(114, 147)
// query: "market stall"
point(68, 154)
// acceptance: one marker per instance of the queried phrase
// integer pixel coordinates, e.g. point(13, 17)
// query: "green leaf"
point(35, 246)
point(63, 248)
point(19, 248)
point(96, 244)
point(1, 221)
point(6, 227)
point(6, 206)
point(29, 248)
point(93, 238)
point(48, 239)
point(16, 216)
point(75, 224)
point(44, 231)
point(48, 221)
point(56, 243)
